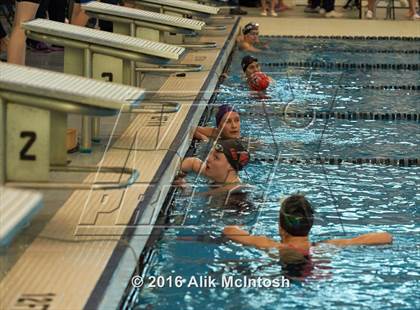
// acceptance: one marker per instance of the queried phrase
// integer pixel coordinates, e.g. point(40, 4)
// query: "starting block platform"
point(28, 148)
point(101, 55)
point(149, 25)
point(179, 6)
point(103, 42)
point(17, 207)
point(143, 18)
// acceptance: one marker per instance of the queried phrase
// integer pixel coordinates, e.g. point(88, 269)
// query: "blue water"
point(348, 199)
point(317, 44)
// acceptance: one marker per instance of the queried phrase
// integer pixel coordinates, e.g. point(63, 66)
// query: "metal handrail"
point(171, 68)
point(157, 107)
point(220, 19)
point(214, 28)
point(134, 174)
point(199, 45)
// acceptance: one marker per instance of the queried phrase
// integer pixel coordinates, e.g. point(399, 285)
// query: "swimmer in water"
point(222, 166)
point(249, 40)
point(228, 125)
point(295, 222)
point(250, 66)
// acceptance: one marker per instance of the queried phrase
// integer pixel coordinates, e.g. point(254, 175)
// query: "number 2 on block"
point(24, 152)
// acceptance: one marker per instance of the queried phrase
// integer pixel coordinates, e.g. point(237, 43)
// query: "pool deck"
point(335, 27)
point(90, 245)
point(86, 249)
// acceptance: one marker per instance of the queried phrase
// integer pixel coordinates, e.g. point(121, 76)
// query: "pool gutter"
point(123, 262)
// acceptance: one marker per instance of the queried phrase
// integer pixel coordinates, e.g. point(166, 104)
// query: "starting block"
point(100, 55)
point(180, 7)
point(17, 207)
point(148, 25)
point(151, 26)
point(183, 9)
point(34, 104)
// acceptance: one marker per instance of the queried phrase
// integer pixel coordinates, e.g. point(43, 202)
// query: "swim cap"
point(258, 81)
point(235, 152)
point(246, 61)
point(296, 215)
point(249, 27)
point(223, 109)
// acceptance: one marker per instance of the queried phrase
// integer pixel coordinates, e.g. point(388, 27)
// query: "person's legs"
point(281, 6)
point(104, 24)
point(315, 4)
point(42, 9)
point(370, 9)
point(272, 7)
point(263, 7)
point(328, 9)
point(4, 40)
point(412, 10)
point(3, 33)
point(371, 5)
point(237, 10)
point(16, 50)
point(57, 10)
point(40, 13)
point(328, 5)
point(78, 16)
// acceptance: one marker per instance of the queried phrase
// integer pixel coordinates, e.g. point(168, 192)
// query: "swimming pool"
point(349, 199)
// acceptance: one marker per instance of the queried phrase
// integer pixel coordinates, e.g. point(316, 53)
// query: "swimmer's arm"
point(366, 239)
point(204, 133)
point(192, 164)
point(241, 236)
point(248, 47)
point(263, 45)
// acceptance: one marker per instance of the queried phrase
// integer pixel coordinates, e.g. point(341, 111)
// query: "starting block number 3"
point(28, 143)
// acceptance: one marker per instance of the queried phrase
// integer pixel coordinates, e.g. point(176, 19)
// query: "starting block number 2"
point(28, 143)
point(24, 152)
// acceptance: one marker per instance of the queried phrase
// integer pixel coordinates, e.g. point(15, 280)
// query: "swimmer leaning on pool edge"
point(224, 162)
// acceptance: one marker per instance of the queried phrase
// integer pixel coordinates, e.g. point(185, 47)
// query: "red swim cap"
point(258, 81)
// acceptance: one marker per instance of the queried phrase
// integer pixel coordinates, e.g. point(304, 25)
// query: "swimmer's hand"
point(180, 182)
point(223, 77)
point(204, 133)
point(264, 45)
point(366, 239)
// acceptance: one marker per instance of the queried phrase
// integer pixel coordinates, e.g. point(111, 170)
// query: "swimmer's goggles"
point(249, 27)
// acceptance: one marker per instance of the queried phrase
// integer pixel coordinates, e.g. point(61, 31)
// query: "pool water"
point(348, 199)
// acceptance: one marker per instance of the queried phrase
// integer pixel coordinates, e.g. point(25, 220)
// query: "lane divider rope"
point(363, 38)
point(348, 115)
point(314, 64)
point(400, 162)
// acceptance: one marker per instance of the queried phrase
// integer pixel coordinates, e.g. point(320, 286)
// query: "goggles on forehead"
point(249, 27)
point(219, 148)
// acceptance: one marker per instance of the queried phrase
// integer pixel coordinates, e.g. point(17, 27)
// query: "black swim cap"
point(236, 154)
point(246, 61)
point(296, 215)
point(249, 27)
